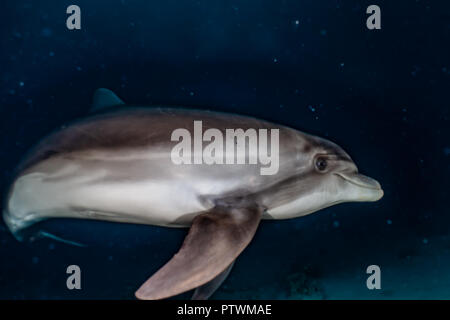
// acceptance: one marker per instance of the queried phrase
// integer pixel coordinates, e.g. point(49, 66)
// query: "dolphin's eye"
point(321, 164)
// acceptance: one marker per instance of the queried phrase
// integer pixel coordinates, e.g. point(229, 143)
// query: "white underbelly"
point(134, 190)
point(158, 203)
point(36, 196)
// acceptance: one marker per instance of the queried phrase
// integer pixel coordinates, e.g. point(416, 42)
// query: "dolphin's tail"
point(44, 234)
point(21, 231)
point(16, 226)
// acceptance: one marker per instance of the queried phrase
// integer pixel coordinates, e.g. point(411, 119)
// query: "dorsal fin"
point(104, 98)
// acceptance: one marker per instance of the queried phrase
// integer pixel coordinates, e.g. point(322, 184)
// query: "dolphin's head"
point(326, 176)
point(337, 175)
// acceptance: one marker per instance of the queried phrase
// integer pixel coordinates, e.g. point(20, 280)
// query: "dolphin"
point(116, 165)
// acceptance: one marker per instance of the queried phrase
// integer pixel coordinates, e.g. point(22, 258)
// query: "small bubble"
point(51, 54)
point(388, 221)
point(425, 240)
point(275, 60)
point(191, 93)
point(47, 32)
point(21, 83)
point(336, 224)
point(447, 151)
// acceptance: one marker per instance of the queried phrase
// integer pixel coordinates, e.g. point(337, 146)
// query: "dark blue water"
point(313, 65)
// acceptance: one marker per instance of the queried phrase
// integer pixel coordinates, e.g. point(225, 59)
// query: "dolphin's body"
point(117, 166)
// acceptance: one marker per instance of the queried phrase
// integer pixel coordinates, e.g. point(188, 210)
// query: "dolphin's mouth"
point(360, 180)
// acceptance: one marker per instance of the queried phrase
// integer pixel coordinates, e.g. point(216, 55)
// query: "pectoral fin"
point(215, 240)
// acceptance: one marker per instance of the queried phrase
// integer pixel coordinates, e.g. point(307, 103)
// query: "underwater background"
point(382, 95)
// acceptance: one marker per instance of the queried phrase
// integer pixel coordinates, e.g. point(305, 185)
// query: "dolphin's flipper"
point(215, 240)
point(207, 290)
point(104, 98)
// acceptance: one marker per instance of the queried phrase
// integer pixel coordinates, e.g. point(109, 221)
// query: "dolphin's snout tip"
point(368, 189)
point(372, 194)
point(379, 195)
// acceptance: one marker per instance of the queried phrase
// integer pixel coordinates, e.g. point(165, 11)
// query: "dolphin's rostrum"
point(115, 165)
